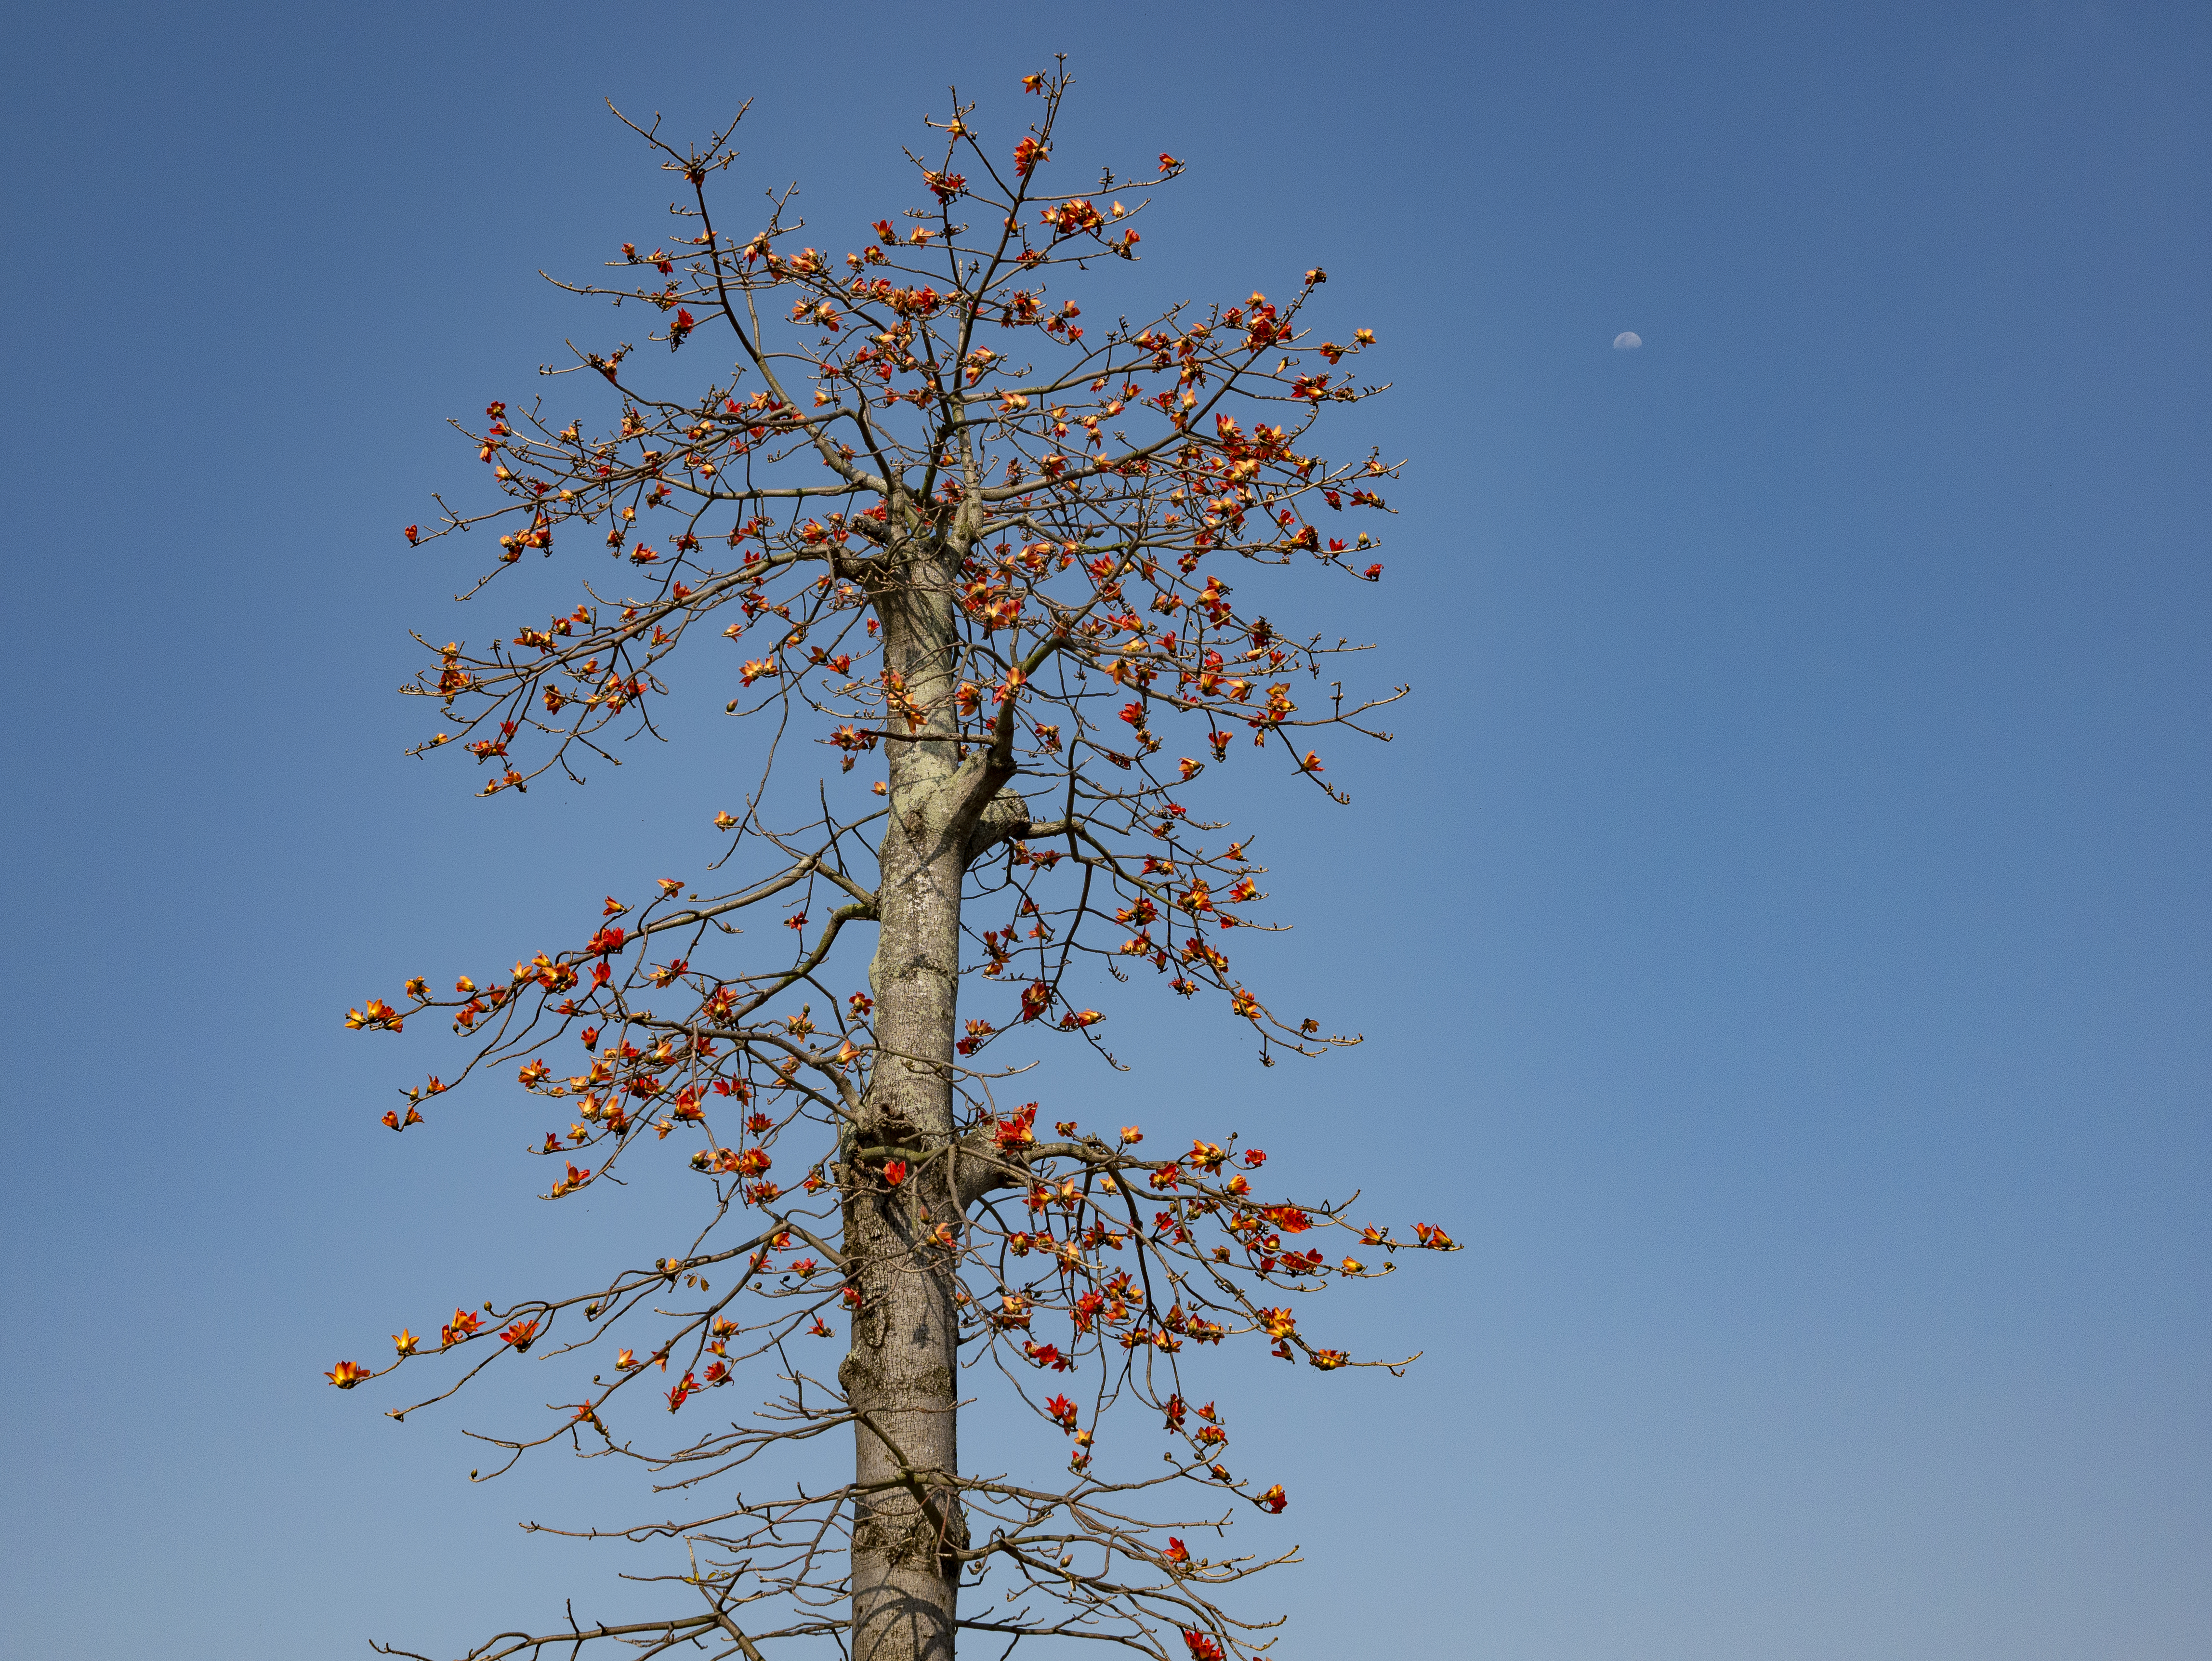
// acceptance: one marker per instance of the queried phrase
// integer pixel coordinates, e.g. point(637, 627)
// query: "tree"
point(951, 525)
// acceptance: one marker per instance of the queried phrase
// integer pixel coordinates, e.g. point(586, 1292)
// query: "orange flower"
point(1274, 1499)
point(346, 1374)
point(1176, 1551)
point(404, 1341)
point(374, 1013)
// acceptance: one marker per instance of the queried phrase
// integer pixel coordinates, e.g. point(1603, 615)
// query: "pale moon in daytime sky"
point(1626, 341)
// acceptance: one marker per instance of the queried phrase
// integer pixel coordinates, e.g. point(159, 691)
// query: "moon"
point(1627, 341)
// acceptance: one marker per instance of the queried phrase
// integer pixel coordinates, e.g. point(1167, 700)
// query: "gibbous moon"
point(1627, 341)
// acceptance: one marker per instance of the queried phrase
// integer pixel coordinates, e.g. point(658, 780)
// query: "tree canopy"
point(946, 520)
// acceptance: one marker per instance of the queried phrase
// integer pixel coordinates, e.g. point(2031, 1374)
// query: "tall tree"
point(951, 525)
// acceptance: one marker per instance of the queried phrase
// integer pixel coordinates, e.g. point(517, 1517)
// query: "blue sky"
point(1780, 927)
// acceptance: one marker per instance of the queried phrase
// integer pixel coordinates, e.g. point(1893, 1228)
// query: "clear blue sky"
point(1781, 926)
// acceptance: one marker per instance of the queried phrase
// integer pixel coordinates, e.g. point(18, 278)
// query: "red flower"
point(894, 1172)
point(463, 1325)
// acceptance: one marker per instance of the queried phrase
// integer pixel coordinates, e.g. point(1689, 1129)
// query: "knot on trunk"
point(908, 1539)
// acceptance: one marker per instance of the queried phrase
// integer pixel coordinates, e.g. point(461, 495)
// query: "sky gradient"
point(1781, 926)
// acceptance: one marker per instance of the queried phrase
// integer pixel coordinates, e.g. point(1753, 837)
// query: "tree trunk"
point(900, 1373)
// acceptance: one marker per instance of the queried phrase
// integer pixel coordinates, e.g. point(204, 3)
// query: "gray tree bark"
point(900, 1376)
